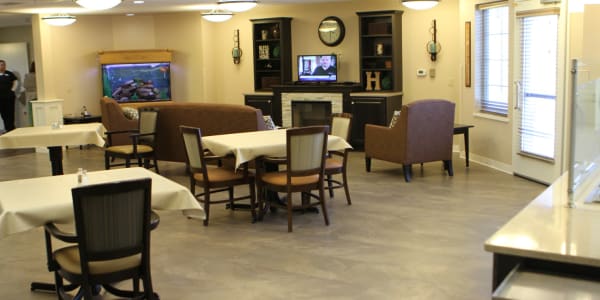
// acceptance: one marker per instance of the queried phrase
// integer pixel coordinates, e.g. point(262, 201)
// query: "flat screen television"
point(317, 68)
point(137, 82)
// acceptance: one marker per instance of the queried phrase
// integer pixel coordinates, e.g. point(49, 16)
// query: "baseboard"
point(494, 164)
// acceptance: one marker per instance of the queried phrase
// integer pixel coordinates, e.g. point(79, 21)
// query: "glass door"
point(539, 98)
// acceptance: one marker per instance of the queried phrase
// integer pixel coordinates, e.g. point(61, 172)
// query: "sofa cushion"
point(395, 118)
point(269, 124)
point(131, 113)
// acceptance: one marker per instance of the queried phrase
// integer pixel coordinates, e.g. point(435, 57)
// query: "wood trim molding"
point(135, 56)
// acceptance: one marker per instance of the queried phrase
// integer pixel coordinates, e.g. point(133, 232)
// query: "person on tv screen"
point(325, 66)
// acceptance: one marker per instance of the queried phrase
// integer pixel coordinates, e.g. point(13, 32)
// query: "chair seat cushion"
point(280, 179)
point(68, 259)
point(128, 149)
point(220, 175)
point(332, 163)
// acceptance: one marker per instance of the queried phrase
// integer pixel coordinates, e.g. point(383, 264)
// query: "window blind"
point(492, 58)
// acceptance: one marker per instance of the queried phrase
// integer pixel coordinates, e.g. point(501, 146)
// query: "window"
point(491, 57)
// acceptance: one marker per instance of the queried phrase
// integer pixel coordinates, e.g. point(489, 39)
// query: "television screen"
point(137, 82)
point(317, 68)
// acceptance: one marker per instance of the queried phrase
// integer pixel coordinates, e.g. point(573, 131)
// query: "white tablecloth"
point(29, 203)
point(247, 146)
point(46, 136)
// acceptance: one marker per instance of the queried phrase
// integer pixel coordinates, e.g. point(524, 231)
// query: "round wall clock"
point(331, 31)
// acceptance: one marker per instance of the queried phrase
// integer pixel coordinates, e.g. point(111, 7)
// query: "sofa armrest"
point(382, 142)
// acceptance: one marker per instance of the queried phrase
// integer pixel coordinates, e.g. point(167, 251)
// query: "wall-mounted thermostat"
point(421, 72)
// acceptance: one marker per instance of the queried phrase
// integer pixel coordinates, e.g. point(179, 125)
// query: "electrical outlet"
point(421, 72)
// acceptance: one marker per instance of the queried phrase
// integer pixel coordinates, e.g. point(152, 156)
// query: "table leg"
point(55, 153)
point(466, 136)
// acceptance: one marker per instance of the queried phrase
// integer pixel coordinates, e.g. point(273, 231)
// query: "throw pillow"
point(130, 113)
point(395, 118)
point(269, 124)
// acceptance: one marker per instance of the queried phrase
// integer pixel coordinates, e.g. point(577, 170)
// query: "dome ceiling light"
point(217, 15)
point(59, 20)
point(98, 4)
point(237, 5)
point(420, 4)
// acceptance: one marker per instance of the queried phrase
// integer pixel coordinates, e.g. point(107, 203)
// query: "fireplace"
point(308, 113)
point(323, 104)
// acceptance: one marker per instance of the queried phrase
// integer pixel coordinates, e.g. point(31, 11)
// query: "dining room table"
point(248, 146)
point(30, 203)
point(54, 137)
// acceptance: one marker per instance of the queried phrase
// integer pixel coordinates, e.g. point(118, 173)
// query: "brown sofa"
point(423, 133)
point(210, 117)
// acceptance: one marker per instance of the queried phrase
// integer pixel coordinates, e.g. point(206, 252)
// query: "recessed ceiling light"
point(130, 15)
point(138, 2)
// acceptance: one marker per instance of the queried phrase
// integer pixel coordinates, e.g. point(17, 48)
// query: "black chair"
point(113, 223)
point(142, 142)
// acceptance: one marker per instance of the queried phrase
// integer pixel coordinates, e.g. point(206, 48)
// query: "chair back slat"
point(148, 118)
point(306, 149)
point(341, 124)
point(112, 219)
point(192, 140)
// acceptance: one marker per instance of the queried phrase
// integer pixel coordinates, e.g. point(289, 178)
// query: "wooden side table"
point(464, 130)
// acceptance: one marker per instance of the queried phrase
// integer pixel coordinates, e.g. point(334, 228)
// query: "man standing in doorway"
point(8, 86)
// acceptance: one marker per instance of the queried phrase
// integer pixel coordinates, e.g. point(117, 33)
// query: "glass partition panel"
point(585, 126)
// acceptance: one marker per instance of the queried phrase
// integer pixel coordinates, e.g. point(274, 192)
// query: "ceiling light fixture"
point(59, 19)
point(98, 4)
point(237, 5)
point(217, 15)
point(420, 4)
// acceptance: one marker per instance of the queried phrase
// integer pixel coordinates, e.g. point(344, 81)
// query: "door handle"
point(519, 94)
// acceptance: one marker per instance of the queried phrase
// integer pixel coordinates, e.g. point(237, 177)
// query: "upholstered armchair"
point(422, 133)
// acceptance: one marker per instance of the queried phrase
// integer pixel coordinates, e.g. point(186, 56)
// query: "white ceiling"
point(18, 12)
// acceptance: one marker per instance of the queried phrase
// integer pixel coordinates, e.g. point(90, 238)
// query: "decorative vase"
point(275, 31)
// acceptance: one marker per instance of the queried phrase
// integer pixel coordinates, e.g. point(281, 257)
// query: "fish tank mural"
point(137, 82)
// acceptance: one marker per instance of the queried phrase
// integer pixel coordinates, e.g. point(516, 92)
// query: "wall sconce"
point(433, 47)
point(237, 5)
point(217, 15)
point(236, 52)
point(420, 4)
point(98, 4)
point(59, 20)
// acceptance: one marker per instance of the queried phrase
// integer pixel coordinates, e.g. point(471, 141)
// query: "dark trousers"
point(7, 110)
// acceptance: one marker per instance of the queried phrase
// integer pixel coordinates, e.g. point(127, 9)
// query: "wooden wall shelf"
point(135, 56)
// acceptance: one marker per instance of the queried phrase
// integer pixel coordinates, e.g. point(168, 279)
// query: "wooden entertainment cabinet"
point(365, 107)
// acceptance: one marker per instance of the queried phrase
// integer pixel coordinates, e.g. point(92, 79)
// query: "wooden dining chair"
point(336, 163)
point(112, 225)
point(214, 179)
point(142, 142)
point(305, 171)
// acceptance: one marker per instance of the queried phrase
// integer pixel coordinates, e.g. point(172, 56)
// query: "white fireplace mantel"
point(336, 100)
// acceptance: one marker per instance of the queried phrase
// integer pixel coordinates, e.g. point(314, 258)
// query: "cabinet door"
point(261, 102)
point(366, 110)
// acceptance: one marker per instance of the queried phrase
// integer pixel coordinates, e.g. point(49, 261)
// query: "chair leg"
point(206, 205)
point(346, 190)
point(155, 165)
point(230, 191)
point(330, 186)
point(448, 167)
point(127, 163)
point(106, 161)
point(323, 206)
point(407, 172)
point(368, 163)
point(289, 211)
point(252, 188)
